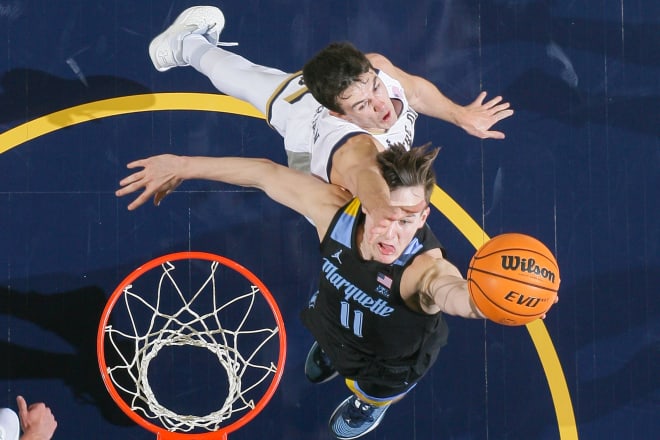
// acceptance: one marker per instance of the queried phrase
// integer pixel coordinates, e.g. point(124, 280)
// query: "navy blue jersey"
point(358, 316)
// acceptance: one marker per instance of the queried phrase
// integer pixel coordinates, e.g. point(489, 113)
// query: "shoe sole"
point(327, 379)
point(207, 11)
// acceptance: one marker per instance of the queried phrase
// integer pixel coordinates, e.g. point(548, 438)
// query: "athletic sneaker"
point(166, 49)
point(318, 368)
point(354, 418)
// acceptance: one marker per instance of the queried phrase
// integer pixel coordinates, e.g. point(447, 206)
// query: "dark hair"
point(333, 70)
point(405, 168)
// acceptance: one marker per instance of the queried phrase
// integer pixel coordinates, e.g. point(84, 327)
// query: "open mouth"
point(386, 249)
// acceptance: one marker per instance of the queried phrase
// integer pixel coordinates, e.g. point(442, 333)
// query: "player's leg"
point(234, 75)
point(192, 40)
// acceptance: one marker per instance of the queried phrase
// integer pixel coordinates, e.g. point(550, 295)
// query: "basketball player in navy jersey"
point(359, 104)
point(378, 314)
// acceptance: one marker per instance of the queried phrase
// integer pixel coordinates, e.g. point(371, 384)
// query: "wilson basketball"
point(513, 279)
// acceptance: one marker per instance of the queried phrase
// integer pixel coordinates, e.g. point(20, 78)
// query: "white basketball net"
point(187, 327)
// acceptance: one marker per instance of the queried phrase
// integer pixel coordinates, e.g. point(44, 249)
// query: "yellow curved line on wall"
point(225, 104)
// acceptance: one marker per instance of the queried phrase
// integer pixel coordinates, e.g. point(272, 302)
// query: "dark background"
point(578, 170)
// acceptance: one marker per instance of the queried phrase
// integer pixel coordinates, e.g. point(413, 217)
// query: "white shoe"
point(166, 50)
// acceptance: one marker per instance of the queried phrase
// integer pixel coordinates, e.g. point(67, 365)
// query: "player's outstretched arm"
point(435, 285)
point(432, 284)
point(158, 176)
point(476, 118)
point(355, 168)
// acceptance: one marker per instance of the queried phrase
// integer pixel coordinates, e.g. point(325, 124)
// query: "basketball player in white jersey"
point(359, 104)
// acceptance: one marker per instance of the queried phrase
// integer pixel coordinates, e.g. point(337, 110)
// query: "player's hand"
point(478, 117)
point(37, 420)
point(382, 219)
point(157, 178)
point(555, 302)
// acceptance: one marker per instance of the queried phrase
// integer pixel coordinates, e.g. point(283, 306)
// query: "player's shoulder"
point(378, 60)
point(427, 260)
point(421, 263)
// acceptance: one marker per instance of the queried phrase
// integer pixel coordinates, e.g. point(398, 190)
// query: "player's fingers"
point(502, 114)
point(38, 405)
point(493, 102)
point(494, 135)
point(132, 178)
point(373, 234)
point(139, 201)
point(497, 117)
point(127, 189)
point(136, 163)
point(22, 406)
point(500, 107)
point(480, 98)
point(396, 214)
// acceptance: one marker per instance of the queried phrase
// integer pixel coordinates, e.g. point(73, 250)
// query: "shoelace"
point(361, 412)
point(223, 43)
point(209, 29)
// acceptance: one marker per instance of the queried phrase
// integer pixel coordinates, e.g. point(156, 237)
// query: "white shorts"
point(290, 111)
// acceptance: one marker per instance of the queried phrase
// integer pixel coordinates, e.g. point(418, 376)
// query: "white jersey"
point(308, 128)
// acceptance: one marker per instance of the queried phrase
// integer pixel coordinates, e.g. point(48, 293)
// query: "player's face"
point(367, 104)
point(388, 246)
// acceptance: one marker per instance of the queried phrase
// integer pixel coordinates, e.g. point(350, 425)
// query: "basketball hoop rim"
point(162, 433)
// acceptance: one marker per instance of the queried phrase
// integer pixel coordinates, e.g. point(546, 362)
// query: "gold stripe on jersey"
point(343, 229)
point(295, 96)
point(353, 207)
point(278, 91)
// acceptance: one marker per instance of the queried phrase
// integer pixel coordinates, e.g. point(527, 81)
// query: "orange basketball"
point(513, 279)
